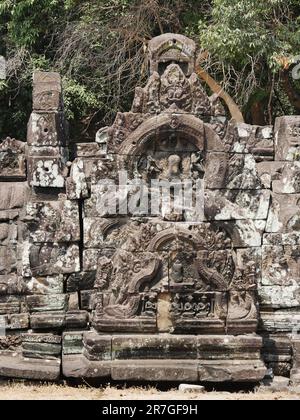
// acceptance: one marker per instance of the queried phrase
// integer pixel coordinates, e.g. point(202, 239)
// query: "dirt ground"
point(39, 391)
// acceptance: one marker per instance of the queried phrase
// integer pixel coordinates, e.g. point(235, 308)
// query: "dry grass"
point(39, 391)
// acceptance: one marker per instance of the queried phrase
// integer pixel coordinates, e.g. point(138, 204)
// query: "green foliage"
point(98, 46)
point(250, 37)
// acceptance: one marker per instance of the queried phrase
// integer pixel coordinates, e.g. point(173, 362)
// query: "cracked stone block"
point(8, 260)
point(254, 139)
point(280, 266)
point(279, 297)
point(245, 233)
point(81, 281)
point(287, 138)
point(45, 285)
point(236, 204)
point(16, 366)
point(56, 221)
point(46, 129)
point(231, 171)
point(49, 259)
point(12, 284)
point(77, 184)
point(12, 305)
point(289, 180)
point(72, 342)
point(46, 172)
point(280, 321)
point(17, 322)
point(284, 214)
point(13, 195)
point(269, 172)
point(46, 91)
point(8, 234)
point(12, 159)
point(50, 302)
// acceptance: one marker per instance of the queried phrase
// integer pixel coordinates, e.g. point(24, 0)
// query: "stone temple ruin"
point(87, 293)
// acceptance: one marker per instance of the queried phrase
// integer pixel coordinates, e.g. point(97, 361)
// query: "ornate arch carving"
point(168, 235)
point(200, 134)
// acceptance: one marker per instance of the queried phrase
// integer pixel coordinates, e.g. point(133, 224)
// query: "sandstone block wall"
point(84, 293)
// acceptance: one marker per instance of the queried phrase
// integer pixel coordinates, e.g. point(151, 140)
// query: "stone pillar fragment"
point(47, 134)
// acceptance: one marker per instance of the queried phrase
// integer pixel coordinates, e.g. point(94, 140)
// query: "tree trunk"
point(257, 113)
point(216, 88)
point(293, 96)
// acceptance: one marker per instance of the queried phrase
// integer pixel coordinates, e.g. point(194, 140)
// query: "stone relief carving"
point(89, 290)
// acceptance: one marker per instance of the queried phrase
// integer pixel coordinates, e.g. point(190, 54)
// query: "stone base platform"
point(78, 366)
point(142, 357)
point(15, 366)
point(167, 357)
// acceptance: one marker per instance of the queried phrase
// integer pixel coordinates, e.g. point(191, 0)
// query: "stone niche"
point(211, 296)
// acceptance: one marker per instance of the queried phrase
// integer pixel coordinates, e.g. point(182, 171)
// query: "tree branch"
point(216, 88)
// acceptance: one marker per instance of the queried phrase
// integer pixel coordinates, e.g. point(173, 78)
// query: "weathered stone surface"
point(87, 150)
point(46, 172)
point(59, 319)
point(76, 184)
point(26, 368)
point(234, 171)
point(56, 221)
point(280, 297)
point(287, 137)
point(97, 347)
point(191, 388)
point(12, 284)
point(48, 320)
point(8, 233)
point(41, 303)
point(46, 91)
point(13, 195)
point(49, 259)
point(76, 319)
point(284, 214)
point(41, 350)
point(8, 260)
point(289, 180)
point(280, 320)
point(77, 366)
point(11, 305)
point(154, 347)
point(295, 372)
point(269, 172)
point(280, 267)
point(46, 129)
point(81, 281)
point(72, 343)
point(145, 293)
point(231, 371)
point(45, 285)
point(12, 160)
point(237, 205)
point(155, 370)
point(244, 138)
point(17, 321)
